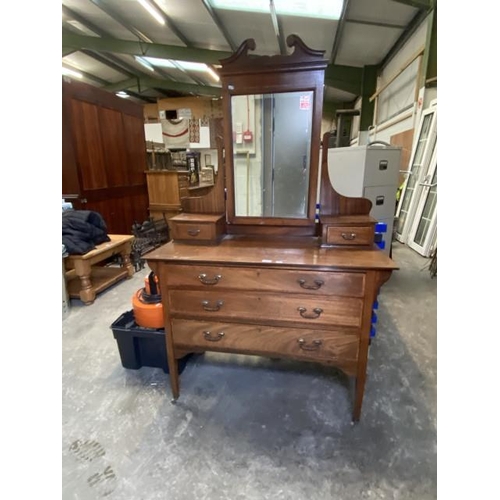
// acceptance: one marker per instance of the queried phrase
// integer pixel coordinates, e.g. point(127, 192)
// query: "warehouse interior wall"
point(399, 105)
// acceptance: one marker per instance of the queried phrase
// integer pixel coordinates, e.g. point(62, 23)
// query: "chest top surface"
point(285, 252)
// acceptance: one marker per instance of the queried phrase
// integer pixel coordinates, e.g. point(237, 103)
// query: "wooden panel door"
point(104, 156)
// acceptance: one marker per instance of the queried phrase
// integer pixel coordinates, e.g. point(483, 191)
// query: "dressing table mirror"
point(272, 114)
point(252, 268)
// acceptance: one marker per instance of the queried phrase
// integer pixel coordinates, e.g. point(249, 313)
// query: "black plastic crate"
point(140, 346)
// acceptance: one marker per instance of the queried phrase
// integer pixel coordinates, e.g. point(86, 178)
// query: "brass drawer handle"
point(316, 344)
point(318, 284)
point(208, 336)
point(348, 236)
point(193, 232)
point(207, 307)
point(317, 312)
point(209, 281)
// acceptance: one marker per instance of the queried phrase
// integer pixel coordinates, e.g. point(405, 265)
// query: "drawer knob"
point(317, 312)
point(207, 307)
point(348, 236)
point(209, 281)
point(208, 336)
point(193, 232)
point(313, 346)
point(317, 284)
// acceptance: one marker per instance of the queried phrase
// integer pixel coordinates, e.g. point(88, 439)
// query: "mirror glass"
point(271, 153)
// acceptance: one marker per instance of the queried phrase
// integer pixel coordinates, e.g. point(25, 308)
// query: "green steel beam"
point(368, 88)
point(144, 98)
point(66, 51)
point(346, 78)
point(146, 82)
point(429, 68)
point(134, 48)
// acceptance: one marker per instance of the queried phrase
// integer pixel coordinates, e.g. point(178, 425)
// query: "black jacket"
point(82, 230)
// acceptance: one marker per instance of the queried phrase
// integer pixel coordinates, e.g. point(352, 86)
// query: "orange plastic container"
point(147, 306)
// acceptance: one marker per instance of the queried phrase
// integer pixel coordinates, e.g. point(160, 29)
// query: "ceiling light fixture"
point(81, 27)
point(181, 65)
point(192, 66)
point(212, 73)
point(161, 63)
point(71, 72)
point(152, 11)
point(145, 63)
point(122, 94)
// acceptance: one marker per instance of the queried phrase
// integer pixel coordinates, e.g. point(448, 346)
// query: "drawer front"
point(192, 231)
point(255, 307)
point(383, 200)
point(267, 280)
point(296, 343)
point(345, 235)
point(382, 167)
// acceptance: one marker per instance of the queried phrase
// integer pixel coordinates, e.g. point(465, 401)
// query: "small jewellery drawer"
point(194, 231)
point(197, 228)
point(355, 235)
point(267, 280)
point(306, 344)
point(255, 307)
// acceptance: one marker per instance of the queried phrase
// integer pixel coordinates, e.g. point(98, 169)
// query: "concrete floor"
point(247, 428)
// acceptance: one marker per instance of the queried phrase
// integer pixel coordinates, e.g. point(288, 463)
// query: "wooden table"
point(85, 279)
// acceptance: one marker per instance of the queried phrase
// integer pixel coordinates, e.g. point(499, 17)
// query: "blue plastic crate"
point(381, 227)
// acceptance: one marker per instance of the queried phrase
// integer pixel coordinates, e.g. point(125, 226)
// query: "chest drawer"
point(255, 307)
point(266, 280)
point(345, 235)
point(337, 347)
point(197, 228)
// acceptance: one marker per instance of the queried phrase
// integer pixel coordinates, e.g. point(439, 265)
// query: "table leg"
point(125, 253)
point(358, 396)
point(173, 365)
point(87, 292)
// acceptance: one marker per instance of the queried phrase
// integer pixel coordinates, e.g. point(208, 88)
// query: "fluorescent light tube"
point(193, 66)
point(122, 94)
point(145, 63)
point(152, 11)
point(212, 73)
point(161, 63)
point(71, 72)
point(81, 27)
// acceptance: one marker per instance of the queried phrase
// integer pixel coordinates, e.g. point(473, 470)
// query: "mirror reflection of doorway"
point(287, 122)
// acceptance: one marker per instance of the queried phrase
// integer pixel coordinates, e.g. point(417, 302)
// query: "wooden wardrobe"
point(104, 155)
